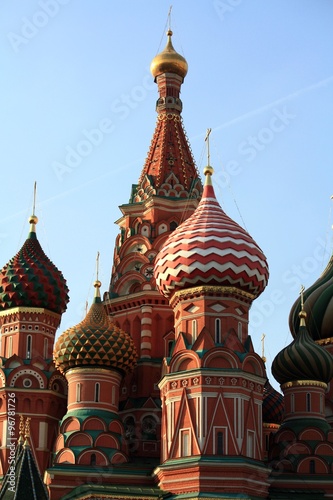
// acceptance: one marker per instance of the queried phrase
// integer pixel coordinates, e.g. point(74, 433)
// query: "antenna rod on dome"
point(97, 266)
point(302, 296)
point(169, 17)
point(207, 140)
point(263, 357)
point(34, 199)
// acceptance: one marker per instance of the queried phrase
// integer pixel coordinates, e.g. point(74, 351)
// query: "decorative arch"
point(65, 456)
point(184, 360)
point(220, 358)
point(85, 458)
point(140, 244)
point(312, 465)
point(58, 383)
point(287, 435)
point(79, 439)
point(312, 434)
point(116, 426)
point(107, 441)
point(118, 458)
point(254, 364)
point(129, 261)
point(94, 424)
point(70, 424)
point(21, 372)
point(123, 285)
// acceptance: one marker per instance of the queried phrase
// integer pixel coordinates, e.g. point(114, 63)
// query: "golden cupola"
point(169, 61)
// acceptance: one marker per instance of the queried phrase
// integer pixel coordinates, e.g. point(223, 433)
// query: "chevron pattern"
point(209, 248)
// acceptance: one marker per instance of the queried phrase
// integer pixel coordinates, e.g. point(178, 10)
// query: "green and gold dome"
point(95, 341)
point(169, 61)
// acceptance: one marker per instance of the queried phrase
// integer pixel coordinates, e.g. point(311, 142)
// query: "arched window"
point(46, 347)
point(78, 393)
point(218, 331)
point(312, 467)
point(219, 447)
point(308, 401)
point(10, 347)
point(239, 330)
point(97, 389)
point(93, 459)
point(292, 403)
point(194, 329)
point(173, 226)
point(170, 344)
point(29, 344)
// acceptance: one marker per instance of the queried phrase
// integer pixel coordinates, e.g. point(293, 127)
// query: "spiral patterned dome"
point(318, 304)
point(272, 405)
point(209, 248)
point(169, 61)
point(303, 359)
point(30, 279)
point(96, 341)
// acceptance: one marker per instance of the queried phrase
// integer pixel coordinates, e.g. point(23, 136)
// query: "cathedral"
point(158, 392)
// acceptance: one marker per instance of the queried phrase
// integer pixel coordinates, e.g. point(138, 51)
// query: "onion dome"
point(30, 279)
point(169, 61)
point(209, 248)
point(303, 359)
point(318, 304)
point(272, 405)
point(96, 341)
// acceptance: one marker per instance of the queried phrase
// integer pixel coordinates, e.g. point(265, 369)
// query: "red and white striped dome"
point(209, 248)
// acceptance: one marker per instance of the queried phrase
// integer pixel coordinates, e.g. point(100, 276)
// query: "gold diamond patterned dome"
point(96, 341)
point(169, 61)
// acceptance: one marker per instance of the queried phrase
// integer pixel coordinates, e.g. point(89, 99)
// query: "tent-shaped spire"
point(23, 480)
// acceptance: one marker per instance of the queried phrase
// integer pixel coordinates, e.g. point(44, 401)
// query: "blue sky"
point(260, 75)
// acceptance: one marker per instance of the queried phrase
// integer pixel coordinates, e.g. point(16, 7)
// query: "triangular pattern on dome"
point(95, 341)
point(30, 279)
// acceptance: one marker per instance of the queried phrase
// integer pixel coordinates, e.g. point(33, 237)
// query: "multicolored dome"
point(30, 279)
point(96, 341)
point(303, 359)
point(318, 304)
point(169, 61)
point(209, 248)
point(272, 405)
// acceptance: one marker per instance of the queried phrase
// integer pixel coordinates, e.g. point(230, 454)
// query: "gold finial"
point(169, 19)
point(263, 357)
point(302, 313)
point(27, 430)
point(21, 429)
point(208, 170)
point(33, 219)
point(97, 283)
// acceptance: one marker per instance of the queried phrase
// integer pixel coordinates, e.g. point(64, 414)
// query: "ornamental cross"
point(207, 140)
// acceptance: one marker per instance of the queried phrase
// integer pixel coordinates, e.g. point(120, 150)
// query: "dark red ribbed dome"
point(209, 248)
point(30, 279)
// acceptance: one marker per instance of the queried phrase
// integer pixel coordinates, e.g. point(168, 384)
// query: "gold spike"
point(263, 357)
point(21, 428)
point(302, 313)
